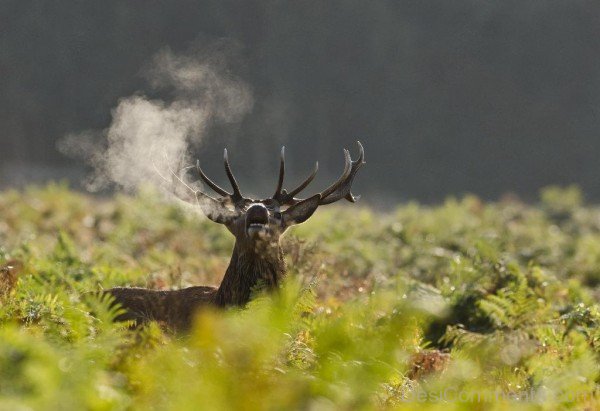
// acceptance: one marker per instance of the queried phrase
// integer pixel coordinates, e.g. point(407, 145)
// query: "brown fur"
point(261, 265)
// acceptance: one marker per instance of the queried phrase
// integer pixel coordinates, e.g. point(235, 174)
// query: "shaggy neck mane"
point(249, 267)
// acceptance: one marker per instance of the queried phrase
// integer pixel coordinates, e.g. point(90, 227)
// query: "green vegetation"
point(466, 305)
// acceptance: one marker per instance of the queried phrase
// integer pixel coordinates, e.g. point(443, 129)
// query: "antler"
point(342, 188)
point(236, 197)
point(281, 195)
point(214, 208)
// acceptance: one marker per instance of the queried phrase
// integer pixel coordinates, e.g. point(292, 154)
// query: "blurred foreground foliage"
point(466, 305)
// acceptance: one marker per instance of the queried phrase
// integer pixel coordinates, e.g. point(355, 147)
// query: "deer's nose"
point(257, 214)
point(257, 220)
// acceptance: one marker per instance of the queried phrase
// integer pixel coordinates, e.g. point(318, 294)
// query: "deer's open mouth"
point(257, 220)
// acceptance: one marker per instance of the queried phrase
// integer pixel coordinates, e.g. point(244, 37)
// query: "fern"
point(507, 288)
point(514, 306)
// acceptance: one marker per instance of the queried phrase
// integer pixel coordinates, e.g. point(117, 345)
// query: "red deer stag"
point(257, 257)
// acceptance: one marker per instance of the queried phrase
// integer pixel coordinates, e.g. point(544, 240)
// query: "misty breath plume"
point(148, 138)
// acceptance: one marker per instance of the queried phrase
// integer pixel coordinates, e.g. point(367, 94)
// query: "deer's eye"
point(277, 215)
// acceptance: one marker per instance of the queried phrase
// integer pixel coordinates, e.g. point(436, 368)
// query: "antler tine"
point(285, 198)
point(343, 177)
point(306, 182)
point(342, 188)
point(214, 209)
point(176, 177)
point(209, 182)
point(281, 174)
point(237, 195)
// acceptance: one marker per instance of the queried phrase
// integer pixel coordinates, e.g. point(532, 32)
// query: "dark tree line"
point(448, 96)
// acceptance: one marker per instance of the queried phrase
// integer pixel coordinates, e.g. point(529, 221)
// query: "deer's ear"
point(215, 210)
point(302, 211)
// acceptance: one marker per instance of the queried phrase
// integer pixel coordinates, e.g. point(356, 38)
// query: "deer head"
point(254, 222)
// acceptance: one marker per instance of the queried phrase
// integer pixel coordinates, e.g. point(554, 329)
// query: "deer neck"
point(250, 267)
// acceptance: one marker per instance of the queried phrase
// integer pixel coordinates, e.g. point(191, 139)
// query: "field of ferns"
point(463, 305)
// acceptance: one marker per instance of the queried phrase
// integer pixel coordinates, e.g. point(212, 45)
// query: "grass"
point(465, 305)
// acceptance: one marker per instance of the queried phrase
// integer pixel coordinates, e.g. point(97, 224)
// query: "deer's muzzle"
point(257, 220)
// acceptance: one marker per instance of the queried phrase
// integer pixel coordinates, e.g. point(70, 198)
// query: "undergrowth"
point(465, 305)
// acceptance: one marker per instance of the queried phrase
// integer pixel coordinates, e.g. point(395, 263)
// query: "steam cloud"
point(148, 137)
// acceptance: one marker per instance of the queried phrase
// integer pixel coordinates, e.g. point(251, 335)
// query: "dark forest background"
point(448, 97)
